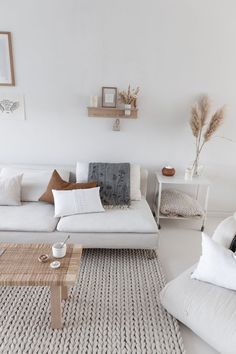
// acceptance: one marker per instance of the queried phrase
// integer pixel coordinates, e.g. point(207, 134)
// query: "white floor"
point(179, 248)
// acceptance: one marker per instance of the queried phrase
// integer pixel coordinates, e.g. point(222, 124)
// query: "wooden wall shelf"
point(111, 112)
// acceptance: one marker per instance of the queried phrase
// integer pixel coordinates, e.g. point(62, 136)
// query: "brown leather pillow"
point(56, 182)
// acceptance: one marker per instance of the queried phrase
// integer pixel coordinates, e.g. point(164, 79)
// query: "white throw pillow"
point(77, 201)
point(34, 182)
point(10, 190)
point(82, 170)
point(217, 265)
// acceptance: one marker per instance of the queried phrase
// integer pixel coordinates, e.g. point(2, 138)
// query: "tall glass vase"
point(197, 168)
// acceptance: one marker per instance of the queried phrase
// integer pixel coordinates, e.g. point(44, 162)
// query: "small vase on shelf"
point(127, 109)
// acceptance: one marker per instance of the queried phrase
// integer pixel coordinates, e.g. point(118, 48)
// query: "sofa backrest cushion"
point(71, 171)
point(34, 182)
point(10, 190)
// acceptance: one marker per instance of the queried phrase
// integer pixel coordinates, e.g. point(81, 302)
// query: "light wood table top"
point(19, 265)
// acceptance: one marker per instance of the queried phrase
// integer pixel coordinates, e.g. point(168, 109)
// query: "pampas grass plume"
point(215, 122)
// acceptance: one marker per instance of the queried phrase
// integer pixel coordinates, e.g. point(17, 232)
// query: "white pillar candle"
point(93, 101)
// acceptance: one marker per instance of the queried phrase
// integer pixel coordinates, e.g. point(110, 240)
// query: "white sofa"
point(115, 228)
point(209, 310)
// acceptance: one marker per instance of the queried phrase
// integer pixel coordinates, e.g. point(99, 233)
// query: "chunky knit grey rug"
point(115, 308)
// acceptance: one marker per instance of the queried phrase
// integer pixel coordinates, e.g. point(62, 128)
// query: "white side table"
point(179, 180)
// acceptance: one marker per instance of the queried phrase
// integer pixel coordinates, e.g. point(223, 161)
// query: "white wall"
point(65, 50)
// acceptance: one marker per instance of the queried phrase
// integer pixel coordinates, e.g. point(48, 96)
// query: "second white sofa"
point(209, 310)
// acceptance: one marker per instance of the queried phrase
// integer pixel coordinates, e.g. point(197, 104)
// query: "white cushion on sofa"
point(209, 310)
point(10, 190)
point(30, 216)
point(77, 201)
point(34, 182)
point(138, 219)
point(217, 264)
point(82, 170)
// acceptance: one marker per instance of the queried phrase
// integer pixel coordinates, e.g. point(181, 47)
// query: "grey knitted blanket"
point(114, 182)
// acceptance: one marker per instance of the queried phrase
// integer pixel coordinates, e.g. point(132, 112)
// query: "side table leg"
point(64, 292)
point(155, 199)
point(56, 320)
point(159, 205)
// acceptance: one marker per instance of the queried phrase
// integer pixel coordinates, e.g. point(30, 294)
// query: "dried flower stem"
point(225, 138)
point(129, 96)
point(202, 129)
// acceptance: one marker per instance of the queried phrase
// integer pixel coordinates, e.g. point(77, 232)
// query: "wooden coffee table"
point(19, 266)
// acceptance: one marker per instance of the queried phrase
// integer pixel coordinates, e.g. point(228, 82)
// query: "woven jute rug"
point(115, 308)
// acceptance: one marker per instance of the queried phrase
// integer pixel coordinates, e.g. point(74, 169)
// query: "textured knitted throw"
point(114, 309)
point(175, 203)
point(114, 182)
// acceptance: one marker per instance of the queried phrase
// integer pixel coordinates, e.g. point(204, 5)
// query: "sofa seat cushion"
point(30, 216)
point(209, 310)
point(137, 218)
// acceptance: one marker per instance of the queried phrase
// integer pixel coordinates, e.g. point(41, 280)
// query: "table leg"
point(56, 319)
point(155, 198)
point(64, 292)
point(159, 205)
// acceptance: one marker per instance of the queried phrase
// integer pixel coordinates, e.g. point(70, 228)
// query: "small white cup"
point(188, 174)
point(59, 251)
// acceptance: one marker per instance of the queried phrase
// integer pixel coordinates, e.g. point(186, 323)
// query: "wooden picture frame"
point(7, 77)
point(109, 97)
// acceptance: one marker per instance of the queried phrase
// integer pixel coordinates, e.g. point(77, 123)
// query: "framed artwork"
point(7, 77)
point(109, 97)
point(12, 106)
